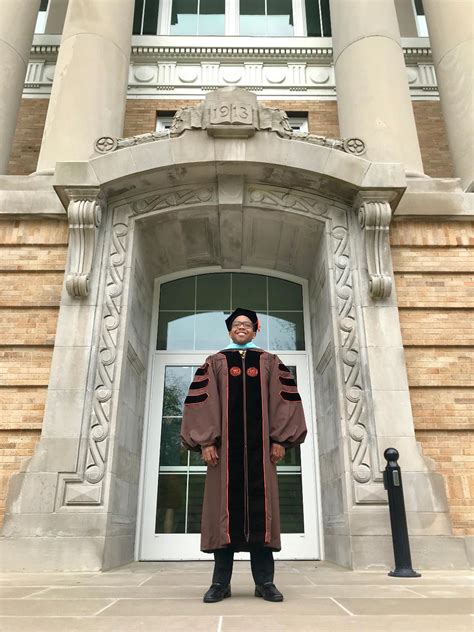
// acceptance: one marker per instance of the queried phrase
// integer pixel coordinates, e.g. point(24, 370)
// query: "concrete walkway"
point(167, 597)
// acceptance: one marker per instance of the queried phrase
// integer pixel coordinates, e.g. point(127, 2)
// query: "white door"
point(173, 481)
point(188, 325)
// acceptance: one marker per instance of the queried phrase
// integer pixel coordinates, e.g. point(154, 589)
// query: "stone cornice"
point(412, 54)
point(234, 52)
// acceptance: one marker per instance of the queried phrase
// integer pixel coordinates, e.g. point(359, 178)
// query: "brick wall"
point(434, 265)
point(28, 135)
point(32, 260)
point(322, 115)
point(140, 118)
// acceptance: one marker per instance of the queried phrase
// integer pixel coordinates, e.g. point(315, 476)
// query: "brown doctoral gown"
point(242, 403)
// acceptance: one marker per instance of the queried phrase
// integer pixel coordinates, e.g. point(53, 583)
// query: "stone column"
point(373, 98)
point(90, 85)
point(451, 30)
point(17, 27)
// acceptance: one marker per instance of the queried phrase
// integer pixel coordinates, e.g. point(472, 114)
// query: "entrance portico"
point(223, 196)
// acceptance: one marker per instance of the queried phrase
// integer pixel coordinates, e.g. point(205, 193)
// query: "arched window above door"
point(192, 311)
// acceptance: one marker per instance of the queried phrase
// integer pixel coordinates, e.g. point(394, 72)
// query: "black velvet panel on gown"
point(246, 469)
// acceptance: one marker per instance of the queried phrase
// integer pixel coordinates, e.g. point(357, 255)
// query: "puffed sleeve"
point(201, 425)
point(286, 415)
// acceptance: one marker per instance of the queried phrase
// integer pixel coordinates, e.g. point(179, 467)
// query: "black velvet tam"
point(242, 312)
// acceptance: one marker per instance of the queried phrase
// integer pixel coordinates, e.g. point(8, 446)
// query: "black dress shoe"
point(217, 592)
point(268, 591)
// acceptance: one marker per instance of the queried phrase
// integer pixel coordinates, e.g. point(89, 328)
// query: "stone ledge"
point(26, 196)
point(427, 552)
point(436, 197)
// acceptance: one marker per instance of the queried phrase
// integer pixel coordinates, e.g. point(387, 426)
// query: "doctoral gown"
point(242, 402)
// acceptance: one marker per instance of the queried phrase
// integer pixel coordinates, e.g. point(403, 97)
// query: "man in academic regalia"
point(243, 411)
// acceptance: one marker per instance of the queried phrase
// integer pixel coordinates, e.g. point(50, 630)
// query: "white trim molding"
point(189, 67)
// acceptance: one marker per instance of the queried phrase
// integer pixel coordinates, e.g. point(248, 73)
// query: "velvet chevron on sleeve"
point(201, 424)
point(286, 415)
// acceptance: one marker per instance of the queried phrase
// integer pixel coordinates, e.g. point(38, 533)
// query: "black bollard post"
point(392, 479)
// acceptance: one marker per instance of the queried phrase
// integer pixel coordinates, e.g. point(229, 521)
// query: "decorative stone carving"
point(85, 487)
point(173, 198)
point(356, 407)
point(187, 70)
point(84, 215)
point(354, 389)
point(230, 113)
point(355, 146)
point(286, 199)
point(374, 217)
point(107, 144)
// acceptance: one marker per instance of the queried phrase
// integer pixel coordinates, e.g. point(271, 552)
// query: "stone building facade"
point(360, 196)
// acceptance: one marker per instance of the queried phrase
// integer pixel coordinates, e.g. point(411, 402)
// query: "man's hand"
point(209, 455)
point(277, 452)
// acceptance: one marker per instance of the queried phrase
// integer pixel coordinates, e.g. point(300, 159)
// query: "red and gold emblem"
point(252, 372)
point(235, 371)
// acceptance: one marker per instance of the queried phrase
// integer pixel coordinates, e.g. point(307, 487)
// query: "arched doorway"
point(188, 325)
point(235, 191)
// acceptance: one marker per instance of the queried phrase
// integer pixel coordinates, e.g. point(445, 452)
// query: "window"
point(298, 122)
point(41, 19)
point(193, 309)
point(421, 19)
point(164, 121)
point(197, 17)
point(318, 18)
point(266, 17)
point(145, 18)
point(255, 18)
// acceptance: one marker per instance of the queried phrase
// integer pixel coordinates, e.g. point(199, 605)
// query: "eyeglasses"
point(236, 325)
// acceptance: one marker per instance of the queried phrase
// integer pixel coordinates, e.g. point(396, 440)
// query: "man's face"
point(242, 330)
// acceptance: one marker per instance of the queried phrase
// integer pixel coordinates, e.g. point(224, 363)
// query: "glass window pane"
point(326, 18)
point(284, 295)
point(280, 17)
point(286, 331)
point(177, 381)
point(211, 17)
point(261, 340)
point(171, 503)
point(178, 295)
point(249, 291)
point(196, 494)
point(291, 503)
point(137, 17)
point(184, 19)
point(150, 19)
point(419, 7)
point(211, 331)
point(292, 457)
point(313, 25)
point(213, 292)
point(253, 20)
point(252, 7)
point(175, 331)
point(171, 452)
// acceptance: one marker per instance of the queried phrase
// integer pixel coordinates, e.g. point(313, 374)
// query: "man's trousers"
point(261, 562)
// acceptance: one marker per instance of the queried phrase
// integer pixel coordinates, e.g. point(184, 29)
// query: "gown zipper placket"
point(246, 482)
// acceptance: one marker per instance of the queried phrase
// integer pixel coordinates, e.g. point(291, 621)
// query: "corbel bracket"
point(84, 213)
point(375, 214)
